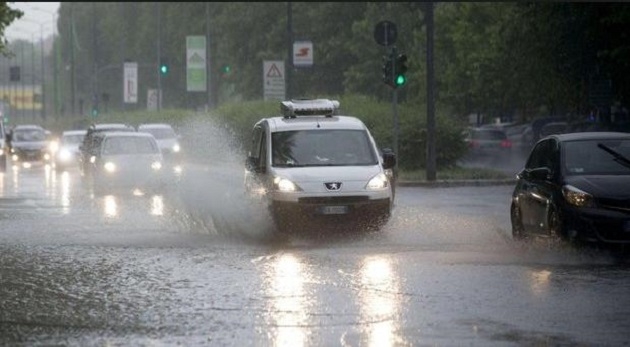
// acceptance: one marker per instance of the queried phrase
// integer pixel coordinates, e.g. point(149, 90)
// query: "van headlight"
point(284, 185)
point(156, 165)
point(378, 182)
point(109, 167)
point(577, 197)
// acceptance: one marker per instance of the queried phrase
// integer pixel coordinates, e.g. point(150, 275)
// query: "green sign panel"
point(196, 64)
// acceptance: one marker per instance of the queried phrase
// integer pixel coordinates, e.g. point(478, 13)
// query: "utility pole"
point(289, 69)
point(95, 97)
point(23, 74)
point(33, 76)
point(211, 104)
point(159, 54)
point(431, 156)
point(72, 68)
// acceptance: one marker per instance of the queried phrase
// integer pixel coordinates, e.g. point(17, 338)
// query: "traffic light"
point(94, 111)
point(164, 66)
point(400, 70)
point(226, 71)
point(388, 75)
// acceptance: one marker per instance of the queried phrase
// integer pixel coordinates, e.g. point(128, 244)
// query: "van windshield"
point(318, 147)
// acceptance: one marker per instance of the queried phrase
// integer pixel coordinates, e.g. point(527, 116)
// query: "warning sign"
point(273, 80)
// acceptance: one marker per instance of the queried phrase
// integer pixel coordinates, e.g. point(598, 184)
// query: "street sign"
point(273, 80)
point(385, 33)
point(196, 64)
point(130, 82)
point(303, 54)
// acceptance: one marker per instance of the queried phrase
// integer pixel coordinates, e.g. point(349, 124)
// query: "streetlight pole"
point(43, 69)
point(54, 67)
point(159, 53)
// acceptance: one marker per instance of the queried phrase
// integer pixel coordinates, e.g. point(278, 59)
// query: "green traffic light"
point(164, 69)
point(400, 80)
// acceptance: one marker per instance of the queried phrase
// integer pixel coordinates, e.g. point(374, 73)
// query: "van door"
point(256, 161)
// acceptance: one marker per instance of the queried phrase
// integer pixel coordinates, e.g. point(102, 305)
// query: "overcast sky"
point(37, 19)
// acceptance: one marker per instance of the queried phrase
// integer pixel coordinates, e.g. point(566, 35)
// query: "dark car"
point(487, 143)
point(29, 143)
point(125, 160)
point(575, 187)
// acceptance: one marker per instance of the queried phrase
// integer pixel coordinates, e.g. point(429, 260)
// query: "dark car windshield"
point(488, 135)
point(587, 158)
point(33, 135)
point(129, 145)
point(72, 139)
point(322, 148)
point(160, 133)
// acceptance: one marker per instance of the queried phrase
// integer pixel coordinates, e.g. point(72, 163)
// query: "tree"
point(7, 16)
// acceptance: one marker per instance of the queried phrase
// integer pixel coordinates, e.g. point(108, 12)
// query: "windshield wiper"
point(619, 158)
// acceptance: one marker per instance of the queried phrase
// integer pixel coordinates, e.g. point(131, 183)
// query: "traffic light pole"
point(396, 126)
point(159, 73)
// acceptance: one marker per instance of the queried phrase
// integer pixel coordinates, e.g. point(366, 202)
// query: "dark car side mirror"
point(539, 173)
point(389, 158)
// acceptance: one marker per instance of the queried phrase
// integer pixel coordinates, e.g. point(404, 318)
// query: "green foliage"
point(7, 16)
point(378, 117)
point(507, 58)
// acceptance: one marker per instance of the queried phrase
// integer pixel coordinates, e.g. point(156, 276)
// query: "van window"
point(337, 147)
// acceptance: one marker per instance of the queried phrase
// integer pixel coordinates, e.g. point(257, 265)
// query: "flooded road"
point(198, 264)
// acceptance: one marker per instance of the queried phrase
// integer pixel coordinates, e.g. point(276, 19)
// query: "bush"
point(378, 117)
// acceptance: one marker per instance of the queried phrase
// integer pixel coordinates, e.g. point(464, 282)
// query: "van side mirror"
point(389, 158)
point(251, 164)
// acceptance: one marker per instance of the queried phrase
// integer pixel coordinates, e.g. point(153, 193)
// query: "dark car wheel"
point(518, 231)
point(555, 226)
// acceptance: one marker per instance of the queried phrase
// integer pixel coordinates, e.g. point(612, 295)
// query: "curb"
point(456, 183)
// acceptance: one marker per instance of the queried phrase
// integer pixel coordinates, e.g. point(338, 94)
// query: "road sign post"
point(130, 82)
point(196, 79)
point(273, 80)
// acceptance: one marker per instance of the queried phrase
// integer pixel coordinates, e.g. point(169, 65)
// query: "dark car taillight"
point(506, 144)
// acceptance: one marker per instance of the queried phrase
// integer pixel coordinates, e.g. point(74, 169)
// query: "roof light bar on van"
point(314, 107)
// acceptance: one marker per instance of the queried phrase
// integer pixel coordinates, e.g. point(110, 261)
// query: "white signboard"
point(130, 83)
point(303, 54)
point(273, 80)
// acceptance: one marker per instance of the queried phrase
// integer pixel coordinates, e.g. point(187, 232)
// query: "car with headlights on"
point(575, 187)
point(166, 137)
point(125, 160)
point(29, 143)
point(168, 141)
point(86, 147)
point(311, 165)
point(67, 153)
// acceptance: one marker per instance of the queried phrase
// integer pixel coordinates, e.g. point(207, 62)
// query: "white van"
point(311, 164)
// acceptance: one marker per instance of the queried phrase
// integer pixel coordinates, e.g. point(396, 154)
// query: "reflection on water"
point(539, 281)
point(110, 206)
point(65, 192)
point(157, 205)
point(288, 302)
point(379, 301)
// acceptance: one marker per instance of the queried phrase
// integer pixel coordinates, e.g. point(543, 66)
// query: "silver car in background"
point(68, 153)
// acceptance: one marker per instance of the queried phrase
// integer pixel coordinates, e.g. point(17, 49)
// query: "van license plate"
point(334, 209)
